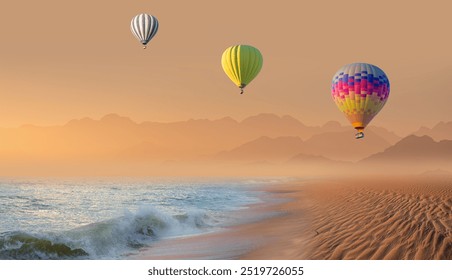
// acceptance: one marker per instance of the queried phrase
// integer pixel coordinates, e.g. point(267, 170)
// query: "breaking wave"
point(108, 239)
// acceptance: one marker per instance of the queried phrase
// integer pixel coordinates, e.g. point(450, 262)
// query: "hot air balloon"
point(144, 27)
point(241, 63)
point(360, 90)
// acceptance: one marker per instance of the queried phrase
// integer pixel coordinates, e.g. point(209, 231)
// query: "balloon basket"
point(359, 135)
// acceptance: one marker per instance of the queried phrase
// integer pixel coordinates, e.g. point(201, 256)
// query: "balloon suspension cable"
point(242, 86)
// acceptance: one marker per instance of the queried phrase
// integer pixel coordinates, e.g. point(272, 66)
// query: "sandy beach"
point(402, 218)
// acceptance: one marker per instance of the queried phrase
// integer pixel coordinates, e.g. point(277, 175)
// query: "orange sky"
point(62, 60)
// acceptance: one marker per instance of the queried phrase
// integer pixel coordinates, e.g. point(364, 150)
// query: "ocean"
point(111, 219)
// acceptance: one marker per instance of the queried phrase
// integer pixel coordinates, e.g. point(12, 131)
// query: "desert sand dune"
point(383, 219)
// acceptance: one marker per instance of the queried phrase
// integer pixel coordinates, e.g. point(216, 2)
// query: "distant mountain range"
point(265, 148)
point(414, 149)
point(115, 137)
point(261, 140)
point(441, 131)
point(336, 145)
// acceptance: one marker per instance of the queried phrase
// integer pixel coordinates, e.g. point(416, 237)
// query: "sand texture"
point(371, 219)
point(365, 219)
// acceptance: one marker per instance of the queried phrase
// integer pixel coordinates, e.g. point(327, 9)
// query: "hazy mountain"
point(273, 126)
point(415, 150)
point(340, 145)
point(311, 159)
point(88, 144)
point(265, 149)
point(387, 135)
point(344, 146)
point(114, 137)
point(441, 131)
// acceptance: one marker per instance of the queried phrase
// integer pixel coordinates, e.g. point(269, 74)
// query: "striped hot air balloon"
point(241, 63)
point(360, 90)
point(144, 27)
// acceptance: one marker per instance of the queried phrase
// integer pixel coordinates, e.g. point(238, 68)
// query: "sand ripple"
point(388, 220)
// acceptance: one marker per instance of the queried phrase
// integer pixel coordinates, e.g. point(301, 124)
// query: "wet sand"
point(409, 218)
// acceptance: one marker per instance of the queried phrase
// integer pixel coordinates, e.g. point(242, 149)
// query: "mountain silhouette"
point(415, 150)
point(343, 145)
point(311, 159)
point(265, 149)
point(115, 140)
point(441, 131)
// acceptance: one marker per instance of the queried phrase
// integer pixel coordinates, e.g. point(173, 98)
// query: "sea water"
point(108, 219)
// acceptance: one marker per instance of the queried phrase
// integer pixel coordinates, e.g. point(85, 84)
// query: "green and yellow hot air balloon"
point(241, 63)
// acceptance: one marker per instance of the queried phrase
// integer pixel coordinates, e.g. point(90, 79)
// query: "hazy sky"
point(61, 60)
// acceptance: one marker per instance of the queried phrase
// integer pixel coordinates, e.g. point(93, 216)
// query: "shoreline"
point(226, 243)
point(371, 219)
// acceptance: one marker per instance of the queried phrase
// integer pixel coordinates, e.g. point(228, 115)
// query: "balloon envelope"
point(241, 63)
point(360, 90)
point(144, 27)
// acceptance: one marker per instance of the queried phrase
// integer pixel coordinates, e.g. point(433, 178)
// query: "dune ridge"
point(376, 220)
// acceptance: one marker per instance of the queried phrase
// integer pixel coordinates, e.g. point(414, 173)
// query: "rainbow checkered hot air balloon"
point(360, 90)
